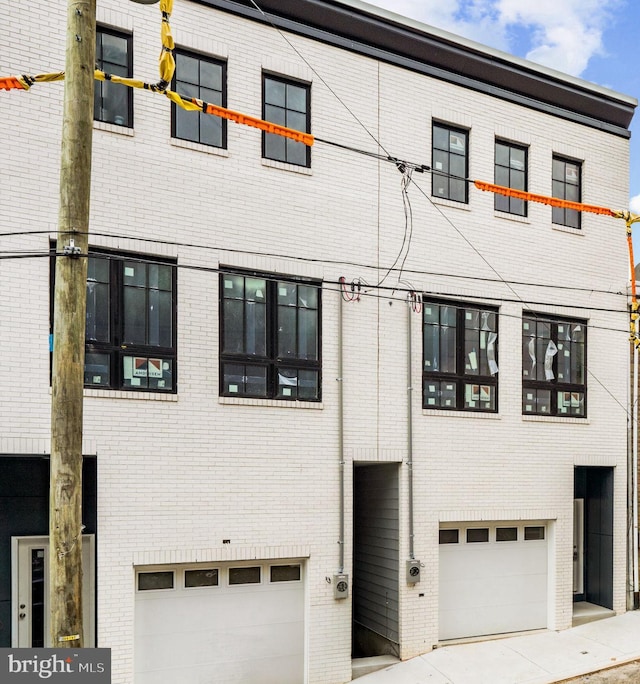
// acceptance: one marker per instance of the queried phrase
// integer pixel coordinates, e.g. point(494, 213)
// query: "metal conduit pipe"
point(410, 431)
point(340, 437)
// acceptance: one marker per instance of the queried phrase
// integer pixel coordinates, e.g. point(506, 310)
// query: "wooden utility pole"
point(65, 492)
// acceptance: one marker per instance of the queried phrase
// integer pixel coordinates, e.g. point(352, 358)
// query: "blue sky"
point(592, 39)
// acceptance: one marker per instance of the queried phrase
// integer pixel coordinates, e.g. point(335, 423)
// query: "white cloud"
point(634, 205)
point(563, 34)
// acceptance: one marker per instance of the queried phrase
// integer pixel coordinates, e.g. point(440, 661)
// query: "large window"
point(511, 172)
point(567, 182)
point(553, 366)
point(460, 357)
point(286, 103)
point(450, 163)
point(131, 324)
point(205, 79)
point(270, 337)
point(113, 102)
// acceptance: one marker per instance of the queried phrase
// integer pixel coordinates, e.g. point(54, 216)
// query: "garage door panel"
point(221, 633)
point(492, 587)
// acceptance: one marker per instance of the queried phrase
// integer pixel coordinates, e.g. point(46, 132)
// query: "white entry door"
point(30, 591)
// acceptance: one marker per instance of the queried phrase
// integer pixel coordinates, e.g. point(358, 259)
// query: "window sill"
point(485, 415)
point(277, 403)
point(199, 147)
point(505, 215)
point(294, 168)
point(440, 201)
point(112, 128)
point(555, 419)
point(124, 394)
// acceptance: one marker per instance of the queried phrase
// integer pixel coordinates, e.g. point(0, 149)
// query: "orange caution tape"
point(266, 126)
point(543, 199)
point(10, 83)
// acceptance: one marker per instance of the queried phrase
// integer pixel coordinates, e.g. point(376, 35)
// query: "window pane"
point(274, 92)
point(502, 154)
point(97, 369)
point(448, 536)
point(135, 309)
point(187, 126)
point(187, 68)
point(296, 152)
point(210, 76)
point(233, 312)
point(287, 383)
point(98, 327)
point(286, 332)
point(440, 138)
point(308, 334)
point(256, 381)
point(285, 573)
point(276, 115)
point(534, 533)
point(477, 535)
point(275, 147)
point(244, 575)
point(506, 534)
point(148, 581)
point(201, 578)
point(296, 98)
point(308, 385)
point(255, 329)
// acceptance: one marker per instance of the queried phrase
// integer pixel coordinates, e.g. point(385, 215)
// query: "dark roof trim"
point(381, 38)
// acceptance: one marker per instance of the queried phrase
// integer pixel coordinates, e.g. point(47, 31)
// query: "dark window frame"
point(562, 188)
point(101, 86)
point(459, 377)
point(576, 407)
point(289, 145)
point(508, 170)
point(116, 348)
point(270, 361)
point(177, 111)
point(450, 182)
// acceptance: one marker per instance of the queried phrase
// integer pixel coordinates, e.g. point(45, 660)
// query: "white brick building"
point(253, 427)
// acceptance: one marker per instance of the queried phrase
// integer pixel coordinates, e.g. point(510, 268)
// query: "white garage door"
point(493, 578)
point(239, 623)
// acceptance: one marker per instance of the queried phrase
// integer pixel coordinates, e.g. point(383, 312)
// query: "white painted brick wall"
point(180, 474)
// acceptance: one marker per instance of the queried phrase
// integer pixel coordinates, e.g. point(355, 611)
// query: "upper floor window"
point(205, 79)
point(567, 184)
point(269, 337)
point(511, 172)
point(131, 323)
point(553, 366)
point(460, 357)
point(113, 102)
point(286, 103)
point(450, 163)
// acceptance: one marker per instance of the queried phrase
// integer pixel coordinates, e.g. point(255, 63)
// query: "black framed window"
point(113, 102)
point(460, 357)
point(270, 337)
point(203, 78)
point(554, 353)
point(286, 103)
point(566, 184)
point(450, 163)
point(130, 323)
point(511, 172)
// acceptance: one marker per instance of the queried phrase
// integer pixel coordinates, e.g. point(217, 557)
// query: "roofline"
point(383, 35)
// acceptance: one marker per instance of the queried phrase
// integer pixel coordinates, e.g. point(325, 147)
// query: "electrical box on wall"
point(413, 571)
point(340, 586)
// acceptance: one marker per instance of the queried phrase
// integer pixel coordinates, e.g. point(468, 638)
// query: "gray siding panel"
point(375, 548)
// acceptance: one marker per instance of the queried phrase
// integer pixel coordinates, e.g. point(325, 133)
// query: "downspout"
point(340, 438)
point(410, 431)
